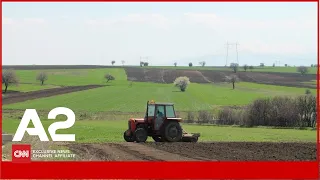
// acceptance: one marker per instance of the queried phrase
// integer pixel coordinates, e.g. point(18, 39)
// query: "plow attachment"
point(190, 137)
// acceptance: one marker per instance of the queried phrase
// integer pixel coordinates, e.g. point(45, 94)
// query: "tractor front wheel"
point(141, 135)
point(128, 138)
point(172, 131)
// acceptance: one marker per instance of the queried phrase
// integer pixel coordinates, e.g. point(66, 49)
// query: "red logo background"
point(21, 148)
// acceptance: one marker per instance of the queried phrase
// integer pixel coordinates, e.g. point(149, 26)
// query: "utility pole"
point(140, 61)
point(227, 45)
point(277, 62)
point(237, 52)
point(231, 44)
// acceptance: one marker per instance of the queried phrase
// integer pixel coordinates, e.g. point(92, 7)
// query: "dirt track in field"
point(25, 96)
point(218, 151)
point(207, 76)
point(123, 152)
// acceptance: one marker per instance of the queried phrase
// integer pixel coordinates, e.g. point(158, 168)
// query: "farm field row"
point(65, 77)
point(102, 114)
point(120, 97)
point(312, 70)
point(77, 77)
point(90, 131)
point(282, 69)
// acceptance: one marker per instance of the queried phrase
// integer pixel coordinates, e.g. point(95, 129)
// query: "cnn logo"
point(21, 153)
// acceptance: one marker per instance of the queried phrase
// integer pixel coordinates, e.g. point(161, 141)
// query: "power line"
point(144, 57)
point(227, 55)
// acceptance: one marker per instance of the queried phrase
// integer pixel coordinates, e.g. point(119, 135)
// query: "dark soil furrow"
point(243, 151)
point(101, 152)
point(211, 151)
point(88, 152)
point(135, 153)
point(207, 76)
point(25, 96)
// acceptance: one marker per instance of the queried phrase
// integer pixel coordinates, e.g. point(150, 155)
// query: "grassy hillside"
point(29, 87)
point(65, 77)
point(77, 77)
point(102, 113)
point(120, 97)
point(69, 77)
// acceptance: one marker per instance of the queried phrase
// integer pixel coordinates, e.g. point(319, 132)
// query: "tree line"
point(276, 112)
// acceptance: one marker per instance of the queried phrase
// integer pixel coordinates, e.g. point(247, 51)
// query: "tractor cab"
point(158, 113)
point(160, 122)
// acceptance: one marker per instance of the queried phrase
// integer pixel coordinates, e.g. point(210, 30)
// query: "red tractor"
point(161, 123)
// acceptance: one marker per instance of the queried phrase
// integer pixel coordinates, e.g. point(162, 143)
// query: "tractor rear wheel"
point(172, 131)
point(141, 135)
point(127, 138)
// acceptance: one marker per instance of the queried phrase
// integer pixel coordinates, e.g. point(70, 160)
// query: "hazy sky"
point(97, 33)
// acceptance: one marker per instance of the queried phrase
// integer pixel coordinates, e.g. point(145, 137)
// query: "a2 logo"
point(22, 152)
point(32, 115)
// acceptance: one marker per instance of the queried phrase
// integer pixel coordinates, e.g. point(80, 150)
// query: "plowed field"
point(25, 96)
point(206, 76)
point(218, 151)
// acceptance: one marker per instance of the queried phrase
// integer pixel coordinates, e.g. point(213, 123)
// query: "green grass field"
point(70, 77)
point(77, 77)
point(95, 108)
point(29, 87)
point(112, 131)
point(120, 97)
point(66, 77)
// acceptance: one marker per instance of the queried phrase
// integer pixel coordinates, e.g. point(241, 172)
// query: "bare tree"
point(42, 76)
point(234, 67)
point(202, 63)
point(112, 62)
point(245, 67)
point(303, 70)
point(123, 62)
point(182, 83)
point(109, 77)
point(175, 64)
point(232, 79)
point(9, 77)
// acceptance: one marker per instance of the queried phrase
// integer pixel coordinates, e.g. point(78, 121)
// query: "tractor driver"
point(158, 120)
point(159, 114)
